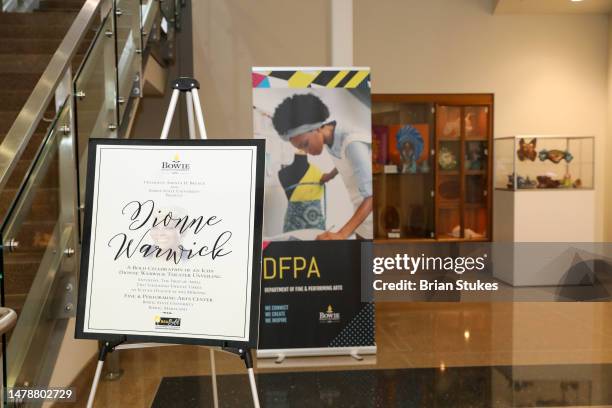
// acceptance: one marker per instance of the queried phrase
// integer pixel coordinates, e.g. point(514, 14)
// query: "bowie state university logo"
point(329, 316)
point(173, 323)
point(175, 164)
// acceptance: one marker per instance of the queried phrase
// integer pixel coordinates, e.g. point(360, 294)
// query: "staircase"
point(27, 43)
point(38, 200)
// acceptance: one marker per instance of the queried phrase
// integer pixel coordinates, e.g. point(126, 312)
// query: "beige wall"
point(72, 358)
point(548, 73)
point(231, 36)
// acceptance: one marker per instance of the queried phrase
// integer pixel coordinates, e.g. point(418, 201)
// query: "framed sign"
point(171, 247)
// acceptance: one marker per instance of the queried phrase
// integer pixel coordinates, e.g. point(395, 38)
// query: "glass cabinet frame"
point(463, 188)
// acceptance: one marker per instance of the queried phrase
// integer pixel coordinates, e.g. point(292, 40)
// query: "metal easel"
point(190, 87)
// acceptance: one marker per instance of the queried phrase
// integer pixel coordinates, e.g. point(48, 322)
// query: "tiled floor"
point(409, 335)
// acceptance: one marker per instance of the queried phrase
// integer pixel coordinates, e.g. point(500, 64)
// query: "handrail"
point(32, 112)
point(8, 317)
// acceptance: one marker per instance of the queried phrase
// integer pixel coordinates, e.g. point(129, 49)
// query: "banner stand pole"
point(190, 87)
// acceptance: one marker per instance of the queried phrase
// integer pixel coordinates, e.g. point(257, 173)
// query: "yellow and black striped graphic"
point(312, 79)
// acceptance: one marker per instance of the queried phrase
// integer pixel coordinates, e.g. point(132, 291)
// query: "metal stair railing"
point(40, 231)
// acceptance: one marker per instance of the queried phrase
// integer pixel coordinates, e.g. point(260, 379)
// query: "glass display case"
point(431, 166)
point(544, 162)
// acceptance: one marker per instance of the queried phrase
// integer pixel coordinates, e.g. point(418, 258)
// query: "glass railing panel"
point(129, 52)
point(37, 276)
point(150, 14)
point(95, 91)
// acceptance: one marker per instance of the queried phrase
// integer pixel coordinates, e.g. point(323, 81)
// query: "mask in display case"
point(544, 162)
point(527, 150)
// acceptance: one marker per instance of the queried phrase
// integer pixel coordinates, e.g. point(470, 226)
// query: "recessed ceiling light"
point(576, 1)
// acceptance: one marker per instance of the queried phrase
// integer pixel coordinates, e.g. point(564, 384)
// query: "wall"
point(608, 154)
point(150, 114)
point(231, 36)
point(548, 72)
point(73, 356)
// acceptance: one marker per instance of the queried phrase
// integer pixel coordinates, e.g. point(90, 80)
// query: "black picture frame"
point(259, 144)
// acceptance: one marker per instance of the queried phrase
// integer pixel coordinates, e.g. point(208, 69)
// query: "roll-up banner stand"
point(317, 212)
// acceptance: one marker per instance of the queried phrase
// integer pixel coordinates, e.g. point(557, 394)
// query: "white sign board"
point(172, 241)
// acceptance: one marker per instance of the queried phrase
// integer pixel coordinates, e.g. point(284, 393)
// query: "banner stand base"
point(280, 354)
point(244, 354)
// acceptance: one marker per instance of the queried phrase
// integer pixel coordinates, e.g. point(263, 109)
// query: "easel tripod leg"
point(248, 361)
point(106, 348)
point(170, 114)
point(253, 387)
point(198, 111)
point(190, 118)
point(94, 386)
point(213, 374)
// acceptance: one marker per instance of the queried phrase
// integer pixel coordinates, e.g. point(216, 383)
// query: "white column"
point(341, 32)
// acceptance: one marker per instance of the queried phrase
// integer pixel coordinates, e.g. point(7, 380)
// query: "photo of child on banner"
point(318, 161)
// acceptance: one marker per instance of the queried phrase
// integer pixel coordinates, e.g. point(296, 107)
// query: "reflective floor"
point(526, 386)
point(500, 354)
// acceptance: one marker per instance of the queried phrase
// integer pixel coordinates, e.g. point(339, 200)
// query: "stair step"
point(14, 100)
point(33, 145)
point(44, 209)
point(33, 31)
point(28, 63)
point(60, 3)
point(57, 9)
point(15, 302)
point(33, 46)
point(18, 81)
point(7, 118)
point(33, 237)
point(19, 273)
point(20, 171)
point(28, 46)
point(38, 18)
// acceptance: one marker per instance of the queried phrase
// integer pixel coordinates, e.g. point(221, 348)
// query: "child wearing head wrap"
point(304, 121)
